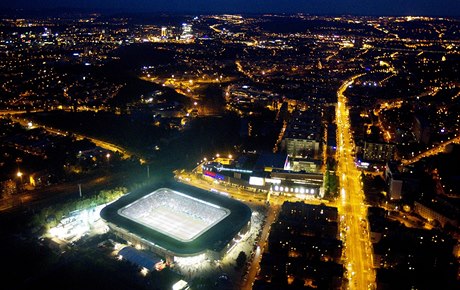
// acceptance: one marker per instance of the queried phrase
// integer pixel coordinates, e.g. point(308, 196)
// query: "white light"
point(144, 271)
point(259, 181)
point(187, 261)
point(169, 223)
point(181, 284)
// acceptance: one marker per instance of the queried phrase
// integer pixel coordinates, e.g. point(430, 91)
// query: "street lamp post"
point(19, 174)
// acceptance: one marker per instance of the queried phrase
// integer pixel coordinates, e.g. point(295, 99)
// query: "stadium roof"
point(139, 258)
point(215, 239)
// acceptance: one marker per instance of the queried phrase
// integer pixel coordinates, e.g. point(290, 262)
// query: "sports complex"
point(177, 221)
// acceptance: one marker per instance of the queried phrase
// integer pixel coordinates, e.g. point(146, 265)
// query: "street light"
point(20, 174)
point(108, 159)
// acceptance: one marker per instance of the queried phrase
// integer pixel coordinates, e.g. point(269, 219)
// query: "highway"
point(351, 207)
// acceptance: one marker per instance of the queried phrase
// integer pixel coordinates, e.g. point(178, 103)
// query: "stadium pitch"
point(178, 219)
point(175, 214)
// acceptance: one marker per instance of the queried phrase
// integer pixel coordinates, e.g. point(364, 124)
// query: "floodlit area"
point(188, 261)
point(79, 223)
point(201, 266)
point(177, 215)
point(167, 207)
point(180, 285)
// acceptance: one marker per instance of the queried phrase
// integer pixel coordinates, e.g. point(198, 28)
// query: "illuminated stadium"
point(176, 220)
point(174, 214)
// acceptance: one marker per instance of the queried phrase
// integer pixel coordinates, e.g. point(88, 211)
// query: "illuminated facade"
point(164, 32)
point(382, 152)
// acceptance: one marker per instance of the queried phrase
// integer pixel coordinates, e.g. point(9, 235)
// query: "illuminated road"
point(214, 27)
point(440, 148)
point(195, 178)
point(106, 145)
point(30, 198)
point(397, 103)
point(357, 246)
point(254, 269)
point(240, 68)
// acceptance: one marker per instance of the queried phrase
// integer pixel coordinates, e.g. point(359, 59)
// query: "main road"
point(436, 149)
point(357, 246)
point(103, 144)
point(251, 198)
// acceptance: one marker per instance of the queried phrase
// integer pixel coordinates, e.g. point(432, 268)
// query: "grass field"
point(179, 216)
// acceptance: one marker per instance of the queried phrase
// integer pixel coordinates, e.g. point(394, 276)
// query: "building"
point(438, 210)
point(378, 151)
point(305, 164)
point(395, 188)
point(401, 183)
point(302, 137)
point(206, 225)
point(301, 145)
point(266, 172)
point(303, 246)
point(164, 32)
point(186, 32)
point(141, 259)
point(331, 139)
point(421, 129)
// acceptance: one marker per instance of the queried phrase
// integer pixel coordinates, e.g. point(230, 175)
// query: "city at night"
point(231, 145)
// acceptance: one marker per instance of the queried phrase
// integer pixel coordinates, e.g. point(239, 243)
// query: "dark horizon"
point(448, 8)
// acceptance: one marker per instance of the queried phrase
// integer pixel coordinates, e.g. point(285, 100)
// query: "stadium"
point(177, 221)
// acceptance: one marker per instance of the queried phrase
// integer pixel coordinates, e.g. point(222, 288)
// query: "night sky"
point(357, 7)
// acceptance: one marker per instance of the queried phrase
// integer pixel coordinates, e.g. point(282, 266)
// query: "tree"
point(327, 177)
point(241, 259)
point(331, 185)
